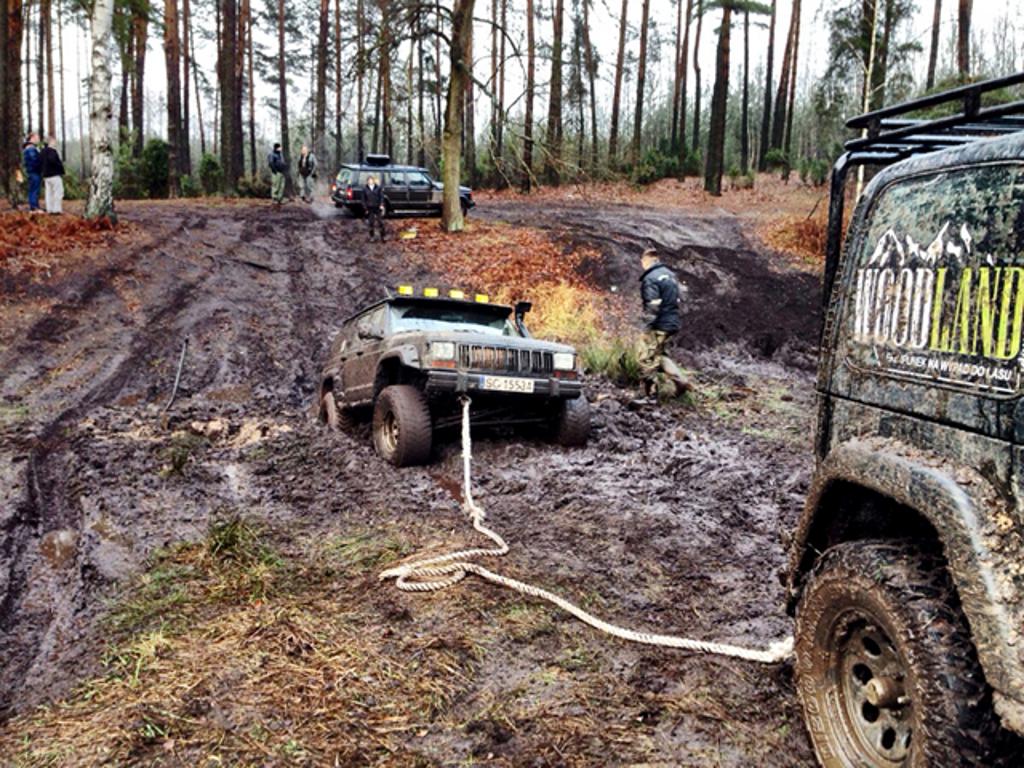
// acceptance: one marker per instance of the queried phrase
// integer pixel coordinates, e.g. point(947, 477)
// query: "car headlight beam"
point(564, 361)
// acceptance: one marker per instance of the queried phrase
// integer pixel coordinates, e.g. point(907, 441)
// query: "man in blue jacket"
point(33, 170)
point(659, 291)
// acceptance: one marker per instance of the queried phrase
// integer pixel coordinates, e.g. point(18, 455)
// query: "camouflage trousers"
point(660, 374)
point(277, 187)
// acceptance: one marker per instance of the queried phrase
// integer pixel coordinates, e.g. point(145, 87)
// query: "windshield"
point(450, 317)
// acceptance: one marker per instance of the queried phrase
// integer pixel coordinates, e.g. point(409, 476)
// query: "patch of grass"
point(615, 359)
point(178, 454)
point(365, 552)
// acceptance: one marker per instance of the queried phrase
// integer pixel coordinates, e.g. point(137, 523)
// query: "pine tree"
point(461, 52)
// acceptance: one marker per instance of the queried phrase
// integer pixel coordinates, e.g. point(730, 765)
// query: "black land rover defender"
point(406, 187)
point(906, 571)
point(412, 357)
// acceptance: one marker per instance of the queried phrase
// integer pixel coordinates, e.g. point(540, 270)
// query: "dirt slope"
point(669, 519)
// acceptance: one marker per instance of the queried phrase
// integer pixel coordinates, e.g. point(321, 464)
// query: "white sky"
point(988, 15)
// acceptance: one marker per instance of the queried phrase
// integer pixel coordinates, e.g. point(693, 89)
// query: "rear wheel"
point(572, 427)
point(465, 208)
point(402, 429)
point(886, 671)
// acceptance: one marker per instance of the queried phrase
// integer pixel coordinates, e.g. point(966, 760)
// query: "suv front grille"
point(479, 357)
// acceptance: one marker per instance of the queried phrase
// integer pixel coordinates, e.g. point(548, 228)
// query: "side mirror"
point(521, 308)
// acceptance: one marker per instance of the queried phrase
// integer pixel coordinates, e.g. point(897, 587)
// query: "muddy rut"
point(670, 519)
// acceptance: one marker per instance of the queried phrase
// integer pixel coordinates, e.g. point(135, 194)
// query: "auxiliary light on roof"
point(433, 293)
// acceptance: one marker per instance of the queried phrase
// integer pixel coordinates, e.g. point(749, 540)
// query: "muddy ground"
point(670, 519)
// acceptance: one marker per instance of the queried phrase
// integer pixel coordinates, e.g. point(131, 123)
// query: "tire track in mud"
point(44, 505)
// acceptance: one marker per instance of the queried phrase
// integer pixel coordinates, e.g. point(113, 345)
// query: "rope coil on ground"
point(433, 574)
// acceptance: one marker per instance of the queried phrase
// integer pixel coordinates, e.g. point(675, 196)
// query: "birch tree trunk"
point(451, 146)
point(101, 182)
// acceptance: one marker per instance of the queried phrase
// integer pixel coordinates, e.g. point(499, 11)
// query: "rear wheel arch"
point(862, 492)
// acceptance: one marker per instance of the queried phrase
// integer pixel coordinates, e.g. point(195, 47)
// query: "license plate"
point(507, 384)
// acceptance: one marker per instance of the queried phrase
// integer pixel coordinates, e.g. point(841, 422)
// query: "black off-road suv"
point(412, 357)
point(906, 572)
point(406, 187)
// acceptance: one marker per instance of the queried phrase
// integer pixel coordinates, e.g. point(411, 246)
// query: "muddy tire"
point(402, 429)
point(886, 671)
point(572, 427)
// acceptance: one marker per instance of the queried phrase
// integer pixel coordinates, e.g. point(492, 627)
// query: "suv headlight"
point(442, 350)
point(564, 361)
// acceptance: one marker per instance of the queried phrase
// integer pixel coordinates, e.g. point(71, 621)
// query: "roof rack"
point(890, 134)
point(889, 131)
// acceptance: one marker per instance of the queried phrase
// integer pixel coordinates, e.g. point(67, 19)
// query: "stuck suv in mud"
point(412, 357)
point(906, 571)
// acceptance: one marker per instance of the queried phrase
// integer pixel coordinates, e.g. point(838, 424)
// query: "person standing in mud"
point(373, 202)
point(32, 161)
point(278, 168)
point(53, 176)
point(307, 173)
point(659, 292)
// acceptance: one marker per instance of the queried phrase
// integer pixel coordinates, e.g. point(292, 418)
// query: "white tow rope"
point(436, 573)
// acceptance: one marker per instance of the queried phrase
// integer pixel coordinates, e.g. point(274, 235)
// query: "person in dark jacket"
point(373, 202)
point(53, 176)
point(660, 294)
point(307, 173)
point(33, 170)
point(278, 168)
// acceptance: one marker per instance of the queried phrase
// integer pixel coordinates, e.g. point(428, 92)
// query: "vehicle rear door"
point(932, 311)
point(396, 189)
point(360, 367)
point(420, 189)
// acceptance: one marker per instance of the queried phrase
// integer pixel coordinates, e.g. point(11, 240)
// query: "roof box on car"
point(377, 160)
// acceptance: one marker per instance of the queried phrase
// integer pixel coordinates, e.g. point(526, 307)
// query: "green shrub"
point(211, 177)
point(254, 186)
point(744, 181)
point(154, 168)
point(776, 159)
point(693, 165)
point(74, 189)
point(654, 166)
point(814, 171)
point(189, 186)
point(127, 173)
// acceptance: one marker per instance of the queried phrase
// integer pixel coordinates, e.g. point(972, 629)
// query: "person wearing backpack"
point(660, 294)
point(278, 168)
point(307, 173)
point(53, 176)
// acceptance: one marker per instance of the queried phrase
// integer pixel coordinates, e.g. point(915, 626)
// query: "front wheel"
point(886, 671)
point(402, 429)
point(572, 425)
